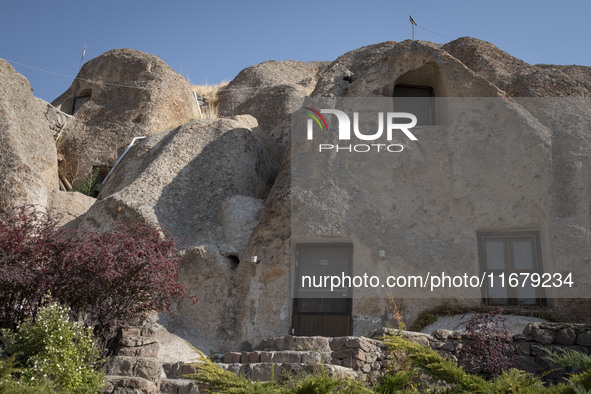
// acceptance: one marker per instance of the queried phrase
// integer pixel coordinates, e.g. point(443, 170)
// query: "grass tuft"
point(212, 98)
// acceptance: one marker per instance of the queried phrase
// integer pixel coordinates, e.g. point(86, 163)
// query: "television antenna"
point(82, 57)
point(413, 24)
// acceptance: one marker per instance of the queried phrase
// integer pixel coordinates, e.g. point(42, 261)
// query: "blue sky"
point(210, 41)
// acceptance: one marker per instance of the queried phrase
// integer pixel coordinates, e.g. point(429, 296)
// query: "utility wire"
point(115, 84)
point(431, 31)
point(75, 78)
point(109, 83)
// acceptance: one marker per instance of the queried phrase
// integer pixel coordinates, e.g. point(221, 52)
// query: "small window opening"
point(416, 99)
point(82, 98)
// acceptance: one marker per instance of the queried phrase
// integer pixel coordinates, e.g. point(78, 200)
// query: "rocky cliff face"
point(28, 156)
point(223, 186)
point(117, 96)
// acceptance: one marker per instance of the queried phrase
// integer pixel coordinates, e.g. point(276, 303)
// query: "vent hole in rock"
point(234, 260)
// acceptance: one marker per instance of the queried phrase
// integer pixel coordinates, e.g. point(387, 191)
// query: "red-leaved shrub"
point(490, 348)
point(107, 278)
point(29, 249)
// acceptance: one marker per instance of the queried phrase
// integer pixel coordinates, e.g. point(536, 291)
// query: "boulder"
point(514, 76)
point(334, 81)
point(28, 156)
point(117, 96)
point(417, 63)
point(270, 91)
point(240, 94)
point(198, 182)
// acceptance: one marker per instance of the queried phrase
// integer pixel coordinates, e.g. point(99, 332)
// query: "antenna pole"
point(82, 57)
point(413, 24)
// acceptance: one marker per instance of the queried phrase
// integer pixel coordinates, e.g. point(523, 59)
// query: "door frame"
point(349, 313)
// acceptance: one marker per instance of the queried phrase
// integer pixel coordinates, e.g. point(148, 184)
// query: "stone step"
point(141, 367)
point(129, 384)
point(265, 371)
point(276, 356)
point(178, 370)
point(290, 342)
point(179, 386)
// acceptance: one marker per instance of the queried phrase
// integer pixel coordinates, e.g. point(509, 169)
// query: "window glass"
point(522, 255)
point(495, 256)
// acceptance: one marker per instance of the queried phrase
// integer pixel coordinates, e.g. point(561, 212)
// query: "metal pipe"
point(121, 158)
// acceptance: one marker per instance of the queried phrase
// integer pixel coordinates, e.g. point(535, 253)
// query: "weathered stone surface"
point(178, 386)
point(522, 337)
point(136, 340)
point(442, 334)
point(584, 339)
point(581, 74)
point(270, 91)
point(283, 356)
point(121, 94)
point(349, 354)
point(178, 370)
point(233, 357)
point(357, 343)
point(528, 329)
point(129, 385)
point(254, 83)
point(149, 350)
point(239, 215)
point(28, 156)
point(522, 349)
point(181, 179)
point(66, 207)
point(565, 336)
point(28, 153)
point(510, 74)
point(147, 368)
point(448, 346)
point(540, 335)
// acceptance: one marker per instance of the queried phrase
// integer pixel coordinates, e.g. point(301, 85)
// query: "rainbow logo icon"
point(318, 118)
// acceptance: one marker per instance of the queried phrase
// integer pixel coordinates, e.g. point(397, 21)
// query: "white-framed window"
point(510, 252)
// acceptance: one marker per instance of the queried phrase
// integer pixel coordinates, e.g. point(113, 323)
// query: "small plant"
point(397, 382)
point(396, 308)
point(89, 184)
point(569, 359)
point(490, 348)
point(56, 352)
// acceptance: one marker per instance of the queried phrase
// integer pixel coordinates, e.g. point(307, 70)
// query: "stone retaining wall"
point(528, 346)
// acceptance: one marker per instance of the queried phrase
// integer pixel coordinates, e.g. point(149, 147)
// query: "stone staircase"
point(354, 357)
point(135, 368)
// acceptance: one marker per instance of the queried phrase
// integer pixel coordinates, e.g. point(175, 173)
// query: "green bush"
point(219, 380)
point(457, 380)
point(56, 352)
